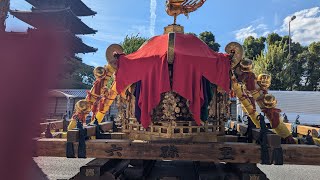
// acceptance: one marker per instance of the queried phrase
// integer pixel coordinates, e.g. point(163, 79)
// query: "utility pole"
point(4, 9)
point(292, 18)
point(289, 57)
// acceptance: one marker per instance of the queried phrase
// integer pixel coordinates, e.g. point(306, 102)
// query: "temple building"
point(62, 17)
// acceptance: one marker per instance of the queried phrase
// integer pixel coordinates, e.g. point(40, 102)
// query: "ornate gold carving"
point(83, 106)
point(99, 72)
point(173, 28)
point(254, 177)
point(269, 101)
point(89, 172)
point(176, 7)
point(264, 80)
point(171, 107)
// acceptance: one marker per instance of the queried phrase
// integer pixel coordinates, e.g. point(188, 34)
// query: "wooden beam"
point(73, 135)
point(210, 152)
point(95, 167)
point(273, 139)
point(303, 130)
point(56, 124)
point(301, 154)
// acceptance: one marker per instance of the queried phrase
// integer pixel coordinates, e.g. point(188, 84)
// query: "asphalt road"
point(53, 168)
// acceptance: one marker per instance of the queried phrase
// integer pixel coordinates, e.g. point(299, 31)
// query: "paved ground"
point(61, 168)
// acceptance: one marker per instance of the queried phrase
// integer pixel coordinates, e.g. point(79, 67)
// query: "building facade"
point(294, 103)
point(62, 101)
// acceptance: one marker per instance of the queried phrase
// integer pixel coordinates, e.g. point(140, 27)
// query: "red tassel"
point(101, 104)
point(249, 79)
point(273, 115)
point(80, 116)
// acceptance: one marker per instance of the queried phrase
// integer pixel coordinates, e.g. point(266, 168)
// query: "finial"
point(177, 7)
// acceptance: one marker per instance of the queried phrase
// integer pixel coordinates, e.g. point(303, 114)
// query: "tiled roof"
point(306, 104)
point(78, 93)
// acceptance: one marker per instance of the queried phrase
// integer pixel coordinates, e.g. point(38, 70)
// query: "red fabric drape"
point(149, 65)
point(193, 59)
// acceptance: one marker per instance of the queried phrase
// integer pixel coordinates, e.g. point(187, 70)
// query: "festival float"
point(173, 97)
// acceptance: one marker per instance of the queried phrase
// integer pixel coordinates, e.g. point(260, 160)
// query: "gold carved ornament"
point(176, 7)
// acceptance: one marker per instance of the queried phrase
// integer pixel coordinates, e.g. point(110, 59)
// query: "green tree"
point(253, 46)
point(210, 40)
point(192, 34)
point(311, 60)
point(273, 62)
point(74, 74)
point(273, 38)
point(132, 43)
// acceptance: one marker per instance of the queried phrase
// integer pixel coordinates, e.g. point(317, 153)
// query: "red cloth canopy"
point(193, 60)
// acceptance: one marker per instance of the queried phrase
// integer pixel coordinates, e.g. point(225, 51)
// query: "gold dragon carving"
point(176, 7)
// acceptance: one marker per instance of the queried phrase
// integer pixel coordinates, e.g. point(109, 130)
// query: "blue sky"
point(229, 20)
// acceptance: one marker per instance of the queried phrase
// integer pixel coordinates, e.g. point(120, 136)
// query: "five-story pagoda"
point(61, 15)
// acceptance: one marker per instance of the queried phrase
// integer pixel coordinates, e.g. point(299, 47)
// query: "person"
point(285, 118)
point(297, 120)
point(88, 118)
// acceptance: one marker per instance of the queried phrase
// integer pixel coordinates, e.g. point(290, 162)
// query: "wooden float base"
point(113, 169)
point(206, 152)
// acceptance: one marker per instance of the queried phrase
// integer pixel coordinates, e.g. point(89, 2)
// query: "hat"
point(264, 80)
point(269, 101)
point(82, 106)
point(110, 54)
point(246, 65)
point(236, 49)
point(99, 72)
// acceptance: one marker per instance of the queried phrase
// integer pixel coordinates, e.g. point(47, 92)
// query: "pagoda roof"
point(75, 44)
point(60, 19)
point(77, 6)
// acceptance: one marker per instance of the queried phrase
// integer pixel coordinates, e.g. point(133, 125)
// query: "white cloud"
point(153, 16)
point(306, 27)
point(139, 29)
point(105, 37)
point(241, 34)
point(256, 28)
